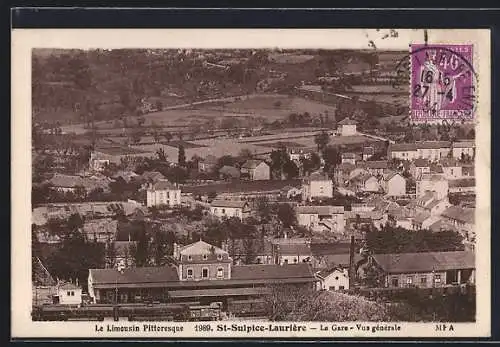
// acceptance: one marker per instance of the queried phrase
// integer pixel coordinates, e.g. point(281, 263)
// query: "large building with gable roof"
point(199, 273)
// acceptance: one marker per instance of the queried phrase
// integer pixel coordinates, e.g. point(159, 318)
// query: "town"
point(240, 184)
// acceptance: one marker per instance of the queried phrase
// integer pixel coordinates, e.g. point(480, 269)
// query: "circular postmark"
point(441, 82)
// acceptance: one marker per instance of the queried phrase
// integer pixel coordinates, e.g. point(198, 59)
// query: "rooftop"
point(462, 214)
point(276, 272)
point(229, 203)
point(425, 261)
point(294, 249)
point(163, 184)
point(462, 183)
point(433, 144)
point(321, 210)
point(200, 247)
point(464, 144)
point(402, 147)
point(420, 162)
point(347, 121)
point(251, 164)
point(375, 164)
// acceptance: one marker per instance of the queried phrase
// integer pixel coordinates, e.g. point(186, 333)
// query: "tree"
point(322, 140)
point(140, 250)
point(263, 209)
point(182, 156)
point(159, 247)
point(290, 169)
point(331, 157)
point(161, 155)
point(286, 214)
point(110, 254)
point(245, 153)
point(249, 251)
point(168, 136)
point(278, 159)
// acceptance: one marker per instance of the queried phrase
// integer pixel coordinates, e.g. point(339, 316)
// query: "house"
point(229, 172)
point(356, 220)
point(402, 151)
point(326, 255)
point(230, 208)
point(256, 170)
point(394, 184)
point(432, 183)
point(452, 169)
point(419, 167)
point(293, 253)
point(77, 184)
point(462, 219)
point(334, 279)
point(100, 230)
point(68, 294)
point(127, 176)
point(374, 167)
point(163, 193)
point(423, 220)
point(297, 155)
point(368, 152)
point(207, 164)
point(433, 150)
point(100, 157)
point(202, 261)
point(425, 269)
point(347, 127)
point(349, 158)
point(462, 185)
point(463, 150)
point(365, 183)
point(199, 272)
point(324, 217)
point(317, 185)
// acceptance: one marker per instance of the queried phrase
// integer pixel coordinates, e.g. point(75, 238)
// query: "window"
point(190, 257)
point(220, 272)
point(205, 257)
point(286, 261)
point(341, 287)
point(295, 260)
point(223, 211)
point(423, 280)
point(331, 288)
point(395, 282)
point(189, 273)
point(68, 293)
point(215, 210)
point(336, 278)
point(409, 280)
point(204, 273)
point(437, 278)
point(219, 256)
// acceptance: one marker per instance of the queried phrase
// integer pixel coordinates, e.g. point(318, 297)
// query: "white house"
point(317, 185)
point(420, 167)
point(365, 183)
point(230, 208)
point(452, 169)
point(255, 170)
point(347, 127)
point(325, 217)
point(368, 152)
point(349, 158)
point(334, 279)
point(402, 151)
point(432, 183)
point(163, 193)
point(462, 149)
point(433, 150)
point(69, 294)
point(394, 184)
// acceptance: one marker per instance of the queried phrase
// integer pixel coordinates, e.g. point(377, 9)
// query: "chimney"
point(351, 263)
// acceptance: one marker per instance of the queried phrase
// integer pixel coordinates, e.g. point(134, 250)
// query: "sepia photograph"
point(330, 185)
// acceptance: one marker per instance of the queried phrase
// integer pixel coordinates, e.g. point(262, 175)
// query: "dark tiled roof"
point(376, 164)
point(465, 215)
point(321, 210)
point(251, 164)
point(162, 274)
point(274, 272)
point(464, 144)
point(421, 162)
point(462, 182)
point(228, 203)
point(164, 185)
point(402, 147)
point(294, 249)
point(425, 261)
point(433, 145)
point(348, 121)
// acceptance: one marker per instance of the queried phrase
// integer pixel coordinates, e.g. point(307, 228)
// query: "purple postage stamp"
point(442, 82)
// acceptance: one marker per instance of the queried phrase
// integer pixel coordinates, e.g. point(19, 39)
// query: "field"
point(249, 110)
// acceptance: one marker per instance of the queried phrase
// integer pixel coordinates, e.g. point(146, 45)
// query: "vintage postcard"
point(251, 183)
